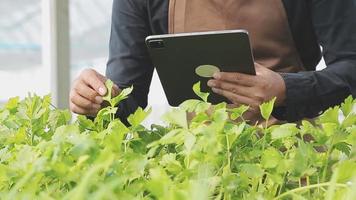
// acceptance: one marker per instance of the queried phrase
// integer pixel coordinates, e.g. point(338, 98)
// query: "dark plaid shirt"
point(313, 23)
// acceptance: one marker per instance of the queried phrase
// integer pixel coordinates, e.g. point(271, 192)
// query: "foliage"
point(45, 156)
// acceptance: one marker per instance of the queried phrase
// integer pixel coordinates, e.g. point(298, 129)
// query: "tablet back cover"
point(176, 58)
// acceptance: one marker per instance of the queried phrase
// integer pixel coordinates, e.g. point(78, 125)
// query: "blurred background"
point(46, 43)
point(24, 27)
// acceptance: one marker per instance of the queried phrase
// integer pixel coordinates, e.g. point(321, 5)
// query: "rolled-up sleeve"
point(310, 93)
point(129, 63)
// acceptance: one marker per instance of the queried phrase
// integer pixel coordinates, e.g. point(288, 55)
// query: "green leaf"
point(284, 131)
point(197, 91)
point(329, 128)
point(160, 183)
point(347, 106)
point(343, 147)
point(116, 133)
point(195, 106)
point(271, 158)
point(189, 142)
point(351, 138)
point(58, 118)
point(267, 108)
point(124, 94)
point(104, 116)
point(349, 120)
point(347, 171)
point(169, 161)
point(176, 117)
point(252, 170)
point(138, 117)
point(190, 105)
point(304, 156)
point(233, 131)
point(174, 136)
point(220, 116)
point(109, 85)
point(330, 116)
point(84, 123)
point(238, 112)
point(12, 104)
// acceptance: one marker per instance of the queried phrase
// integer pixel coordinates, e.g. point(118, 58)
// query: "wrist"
point(281, 91)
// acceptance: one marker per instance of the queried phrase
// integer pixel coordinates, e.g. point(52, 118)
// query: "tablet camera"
point(156, 44)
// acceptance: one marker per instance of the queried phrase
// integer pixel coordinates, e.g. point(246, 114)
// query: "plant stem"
point(228, 150)
point(309, 187)
point(308, 183)
point(32, 139)
point(318, 183)
point(326, 164)
point(282, 185)
point(20, 183)
point(32, 133)
point(112, 116)
point(285, 174)
point(331, 190)
point(266, 124)
point(265, 135)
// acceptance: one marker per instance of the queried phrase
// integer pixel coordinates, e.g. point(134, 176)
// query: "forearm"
point(310, 93)
point(129, 63)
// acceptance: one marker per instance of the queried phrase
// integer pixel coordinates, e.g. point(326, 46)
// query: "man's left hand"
point(243, 89)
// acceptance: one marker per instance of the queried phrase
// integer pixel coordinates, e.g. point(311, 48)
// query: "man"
point(286, 36)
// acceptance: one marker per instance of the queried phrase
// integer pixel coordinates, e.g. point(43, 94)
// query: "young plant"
point(107, 114)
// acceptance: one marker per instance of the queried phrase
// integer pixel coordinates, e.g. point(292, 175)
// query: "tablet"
point(181, 60)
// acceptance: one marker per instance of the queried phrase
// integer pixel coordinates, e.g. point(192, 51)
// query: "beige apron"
point(265, 20)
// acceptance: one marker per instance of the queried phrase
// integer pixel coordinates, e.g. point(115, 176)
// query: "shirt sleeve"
point(129, 63)
point(310, 93)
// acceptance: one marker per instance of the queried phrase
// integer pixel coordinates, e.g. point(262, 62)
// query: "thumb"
point(258, 65)
point(260, 69)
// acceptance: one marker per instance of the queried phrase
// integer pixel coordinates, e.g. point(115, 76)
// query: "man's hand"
point(242, 89)
point(87, 93)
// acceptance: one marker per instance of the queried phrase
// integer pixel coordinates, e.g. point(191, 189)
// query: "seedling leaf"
point(267, 108)
point(199, 93)
point(109, 85)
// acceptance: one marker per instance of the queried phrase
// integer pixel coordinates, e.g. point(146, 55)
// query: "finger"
point(239, 78)
point(95, 81)
point(101, 77)
point(232, 106)
point(260, 69)
point(115, 87)
point(237, 99)
point(234, 88)
point(259, 66)
point(82, 111)
point(87, 92)
point(116, 90)
point(83, 102)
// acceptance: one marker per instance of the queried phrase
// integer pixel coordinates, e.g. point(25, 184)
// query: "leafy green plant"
point(211, 156)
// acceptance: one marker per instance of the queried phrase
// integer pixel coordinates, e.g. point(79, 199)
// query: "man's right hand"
point(86, 95)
